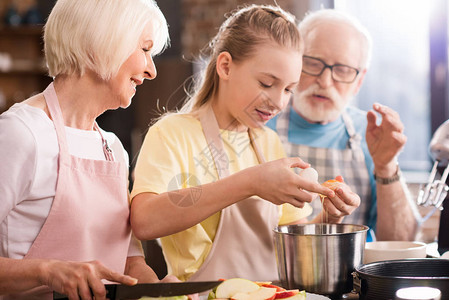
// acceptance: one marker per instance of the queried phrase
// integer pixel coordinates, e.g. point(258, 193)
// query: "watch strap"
point(388, 180)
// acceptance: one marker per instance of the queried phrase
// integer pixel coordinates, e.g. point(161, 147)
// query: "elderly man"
point(337, 139)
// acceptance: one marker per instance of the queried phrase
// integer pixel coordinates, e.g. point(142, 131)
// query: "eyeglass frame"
point(325, 66)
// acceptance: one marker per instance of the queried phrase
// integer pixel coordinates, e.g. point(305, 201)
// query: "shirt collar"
point(300, 122)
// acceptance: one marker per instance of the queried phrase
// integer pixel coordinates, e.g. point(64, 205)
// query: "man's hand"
point(386, 140)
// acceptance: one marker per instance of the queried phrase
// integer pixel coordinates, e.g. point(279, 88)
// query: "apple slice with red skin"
point(298, 296)
point(230, 287)
point(278, 288)
point(286, 294)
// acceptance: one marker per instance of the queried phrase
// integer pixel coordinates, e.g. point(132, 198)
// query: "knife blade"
point(119, 291)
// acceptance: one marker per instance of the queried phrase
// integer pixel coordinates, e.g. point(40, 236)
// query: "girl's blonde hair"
point(240, 35)
point(99, 35)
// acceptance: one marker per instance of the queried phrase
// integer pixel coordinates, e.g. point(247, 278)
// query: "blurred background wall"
point(192, 24)
point(408, 70)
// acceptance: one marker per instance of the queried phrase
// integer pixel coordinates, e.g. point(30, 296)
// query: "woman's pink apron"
point(89, 217)
point(243, 245)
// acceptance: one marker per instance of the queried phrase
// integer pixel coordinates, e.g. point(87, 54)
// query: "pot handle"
point(356, 283)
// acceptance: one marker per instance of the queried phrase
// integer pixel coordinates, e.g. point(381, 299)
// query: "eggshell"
point(332, 184)
point(309, 174)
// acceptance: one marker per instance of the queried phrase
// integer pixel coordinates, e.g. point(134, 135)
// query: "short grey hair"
point(315, 17)
point(99, 35)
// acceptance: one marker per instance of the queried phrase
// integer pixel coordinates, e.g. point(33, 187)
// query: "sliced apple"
point(241, 296)
point(261, 283)
point(298, 296)
point(285, 294)
point(262, 293)
point(230, 287)
point(269, 285)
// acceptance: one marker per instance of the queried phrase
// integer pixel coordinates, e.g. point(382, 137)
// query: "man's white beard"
point(315, 112)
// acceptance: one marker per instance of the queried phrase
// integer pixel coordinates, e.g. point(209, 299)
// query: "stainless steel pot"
point(381, 280)
point(319, 257)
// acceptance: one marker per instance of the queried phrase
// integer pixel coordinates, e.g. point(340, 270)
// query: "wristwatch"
point(389, 180)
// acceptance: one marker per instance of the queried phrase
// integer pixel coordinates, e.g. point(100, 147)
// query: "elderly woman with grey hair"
point(64, 209)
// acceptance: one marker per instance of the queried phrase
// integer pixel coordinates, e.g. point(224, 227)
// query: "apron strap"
point(108, 154)
point(56, 115)
point(354, 138)
point(215, 143)
point(252, 138)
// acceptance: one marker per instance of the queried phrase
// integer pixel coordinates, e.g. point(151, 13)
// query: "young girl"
point(209, 167)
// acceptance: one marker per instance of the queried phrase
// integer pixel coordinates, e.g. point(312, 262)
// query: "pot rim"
point(362, 228)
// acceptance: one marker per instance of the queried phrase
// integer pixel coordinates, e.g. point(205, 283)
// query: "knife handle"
point(60, 296)
point(111, 291)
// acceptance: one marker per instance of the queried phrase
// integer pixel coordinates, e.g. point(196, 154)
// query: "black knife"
point(169, 289)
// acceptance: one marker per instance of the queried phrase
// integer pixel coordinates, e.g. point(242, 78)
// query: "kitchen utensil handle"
point(356, 283)
point(111, 291)
point(59, 296)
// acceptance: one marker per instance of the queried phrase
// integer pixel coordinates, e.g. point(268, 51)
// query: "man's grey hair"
point(324, 15)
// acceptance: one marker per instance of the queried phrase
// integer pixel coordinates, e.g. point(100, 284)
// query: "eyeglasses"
point(340, 73)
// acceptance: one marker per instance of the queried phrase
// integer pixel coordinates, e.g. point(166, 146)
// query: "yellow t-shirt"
point(175, 155)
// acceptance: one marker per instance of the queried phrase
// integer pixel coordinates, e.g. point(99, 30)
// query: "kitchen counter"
point(350, 296)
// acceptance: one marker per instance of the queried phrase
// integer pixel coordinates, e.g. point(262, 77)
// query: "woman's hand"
point(80, 280)
point(342, 204)
point(276, 182)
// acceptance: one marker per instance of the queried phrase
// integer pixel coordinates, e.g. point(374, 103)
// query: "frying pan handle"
point(356, 283)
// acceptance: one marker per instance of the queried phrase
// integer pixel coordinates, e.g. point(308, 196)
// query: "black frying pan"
point(381, 280)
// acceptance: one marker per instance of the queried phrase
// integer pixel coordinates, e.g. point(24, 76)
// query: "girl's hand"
point(276, 182)
point(342, 204)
